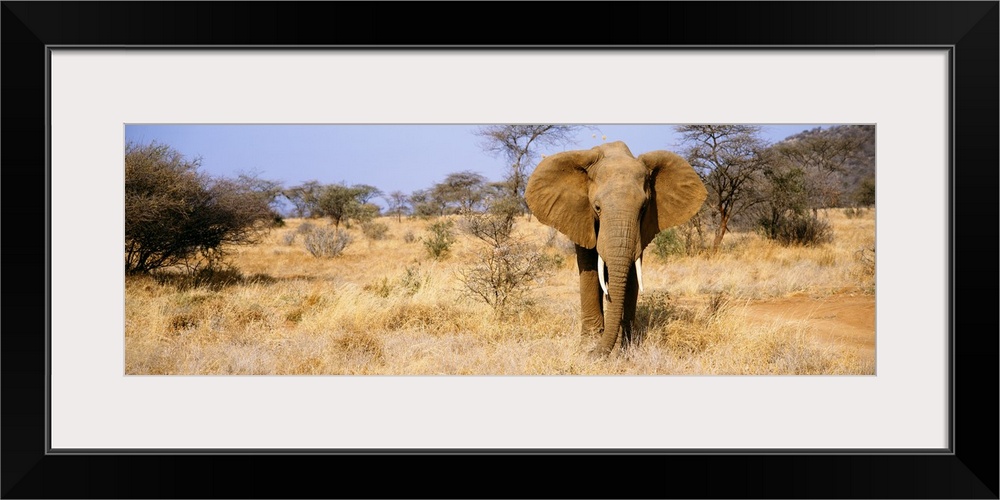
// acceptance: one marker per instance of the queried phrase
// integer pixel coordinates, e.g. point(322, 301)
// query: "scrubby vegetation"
point(391, 308)
point(440, 237)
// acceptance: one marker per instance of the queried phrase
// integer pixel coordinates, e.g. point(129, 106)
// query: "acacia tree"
point(337, 202)
point(462, 189)
point(175, 215)
point(267, 190)
point(427, 203)
point(730, 160)
point(519, 145)
point(305, 198)
point(398, 204)
point(364, 193)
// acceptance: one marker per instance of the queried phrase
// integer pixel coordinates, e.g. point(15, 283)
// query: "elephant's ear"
point(676, 193)
point(558, 195)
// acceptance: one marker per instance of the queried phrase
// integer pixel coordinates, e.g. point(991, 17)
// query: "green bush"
point(442, 236)
point(668, 243)
point(802, 230)
point(412, 281)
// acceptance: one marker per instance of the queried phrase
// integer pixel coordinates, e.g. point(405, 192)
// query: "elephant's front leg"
point(591, 296)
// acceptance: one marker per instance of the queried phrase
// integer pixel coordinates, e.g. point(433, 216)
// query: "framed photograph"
point(815, 341)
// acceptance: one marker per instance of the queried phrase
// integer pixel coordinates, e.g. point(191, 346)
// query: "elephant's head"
point(607, 199)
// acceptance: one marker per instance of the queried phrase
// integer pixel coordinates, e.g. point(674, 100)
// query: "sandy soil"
point(845, 321)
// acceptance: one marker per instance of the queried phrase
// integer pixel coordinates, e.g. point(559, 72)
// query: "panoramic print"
point(500, 249)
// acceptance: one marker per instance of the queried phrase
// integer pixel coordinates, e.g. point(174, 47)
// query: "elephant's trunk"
point(619, 257)
point(604, 284)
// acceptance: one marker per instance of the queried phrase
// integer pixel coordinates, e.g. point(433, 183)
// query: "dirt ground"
point(845, 321)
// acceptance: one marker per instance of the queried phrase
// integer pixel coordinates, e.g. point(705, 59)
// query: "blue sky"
point(389, 157)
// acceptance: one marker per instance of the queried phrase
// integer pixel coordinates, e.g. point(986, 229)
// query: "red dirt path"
point(845, 321)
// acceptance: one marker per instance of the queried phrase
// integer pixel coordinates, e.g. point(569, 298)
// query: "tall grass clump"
point(854, 212)
point(654, 311)
point(374, 230)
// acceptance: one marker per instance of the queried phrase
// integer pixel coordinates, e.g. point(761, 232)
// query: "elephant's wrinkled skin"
point(612, 205)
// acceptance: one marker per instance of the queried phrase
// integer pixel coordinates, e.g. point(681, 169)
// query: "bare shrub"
point(409, 237)
point(559, 241)
point(504, 274)
point(288, 238)
point(692, 233)
point(506, 268)
point(305, 228)
point(327, 242)
point(495, 225)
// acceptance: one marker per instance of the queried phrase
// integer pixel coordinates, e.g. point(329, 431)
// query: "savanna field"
point(387, 307)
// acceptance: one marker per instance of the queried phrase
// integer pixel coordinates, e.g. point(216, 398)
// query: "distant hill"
point(858, 167)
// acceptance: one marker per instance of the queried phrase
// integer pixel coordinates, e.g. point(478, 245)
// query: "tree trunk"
point(719, 233)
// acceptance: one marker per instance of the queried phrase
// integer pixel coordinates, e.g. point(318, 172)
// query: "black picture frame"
point(969, 29)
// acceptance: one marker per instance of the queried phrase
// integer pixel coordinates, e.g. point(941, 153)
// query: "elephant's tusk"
point(638, 271)
point(600, 275)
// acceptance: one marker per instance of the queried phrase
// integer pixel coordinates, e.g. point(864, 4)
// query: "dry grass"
point(387, 307)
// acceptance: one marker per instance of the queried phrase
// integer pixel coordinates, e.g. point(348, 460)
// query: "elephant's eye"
point(597, 209)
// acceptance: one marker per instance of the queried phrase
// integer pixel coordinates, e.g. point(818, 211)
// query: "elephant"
point(611, 205)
